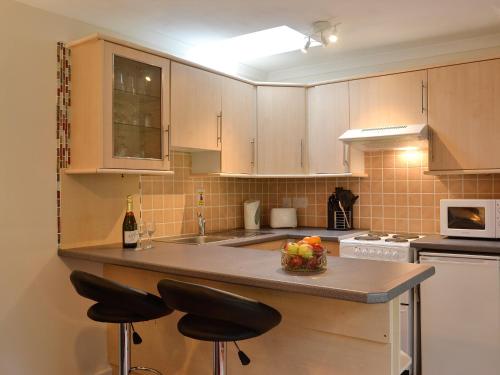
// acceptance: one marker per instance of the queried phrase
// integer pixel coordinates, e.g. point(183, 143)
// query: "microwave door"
point(473, 218)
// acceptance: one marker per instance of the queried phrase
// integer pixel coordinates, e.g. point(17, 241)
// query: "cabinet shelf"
point(140, 126)
point(135, 94)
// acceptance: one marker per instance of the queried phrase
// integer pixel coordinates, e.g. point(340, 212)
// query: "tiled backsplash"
point(396, 196)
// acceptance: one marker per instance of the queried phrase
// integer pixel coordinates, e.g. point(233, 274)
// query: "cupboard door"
point(464, 115)
point(328, 118)
point(238, 126)
point(196, 106)
point(136, 109)
point(389, 100)
point(281, 125)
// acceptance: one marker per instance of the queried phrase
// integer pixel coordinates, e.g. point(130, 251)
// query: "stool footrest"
point(145, 369)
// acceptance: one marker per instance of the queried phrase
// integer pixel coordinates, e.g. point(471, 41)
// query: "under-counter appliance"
point(470, 218)
point(283, 218)
point(460, 314)
point(394, 248)
point(251, 214)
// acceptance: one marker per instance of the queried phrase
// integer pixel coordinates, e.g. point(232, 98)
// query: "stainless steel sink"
point(215, 237)
point(194, 240)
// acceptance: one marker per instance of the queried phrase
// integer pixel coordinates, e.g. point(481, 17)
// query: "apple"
point(305, 251)
point(295, 262)
point(292, 248)
point(317, 248)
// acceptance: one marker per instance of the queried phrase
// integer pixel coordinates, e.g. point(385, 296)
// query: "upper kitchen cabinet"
point(238, 126)
point(196, 108)
point(281, 130)
point(120, 109)
point(464, 115)
point(388, 100)
point(328, 118)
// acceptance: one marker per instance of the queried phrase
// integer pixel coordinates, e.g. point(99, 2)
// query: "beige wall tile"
point(397, 196)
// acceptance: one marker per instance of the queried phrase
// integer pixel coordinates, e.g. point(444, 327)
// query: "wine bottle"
point(130, 235)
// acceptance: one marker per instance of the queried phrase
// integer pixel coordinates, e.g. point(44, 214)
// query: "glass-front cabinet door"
point(136, 115)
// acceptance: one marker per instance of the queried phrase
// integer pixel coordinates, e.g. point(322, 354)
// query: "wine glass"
point(151, 228)
point(142, 230)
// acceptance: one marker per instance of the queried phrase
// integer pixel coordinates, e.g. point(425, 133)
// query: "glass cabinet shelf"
point(137, 110)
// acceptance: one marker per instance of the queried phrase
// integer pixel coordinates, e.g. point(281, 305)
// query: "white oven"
point(470, 218)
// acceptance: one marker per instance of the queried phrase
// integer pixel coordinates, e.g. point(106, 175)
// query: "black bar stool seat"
point(206, 329)
point(218, 316)
point(101, 312)
point(117, 303)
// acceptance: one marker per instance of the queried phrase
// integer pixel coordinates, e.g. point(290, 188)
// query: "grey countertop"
point(356, 280)
point(466, 245)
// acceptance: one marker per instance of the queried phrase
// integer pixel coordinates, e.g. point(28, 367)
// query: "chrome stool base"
point(220, 358)
point(146, 369)
point(124, 365)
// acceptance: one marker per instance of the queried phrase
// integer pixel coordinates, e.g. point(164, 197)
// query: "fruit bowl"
point(305, 256)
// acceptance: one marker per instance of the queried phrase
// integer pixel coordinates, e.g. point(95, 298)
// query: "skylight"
point(251, 46)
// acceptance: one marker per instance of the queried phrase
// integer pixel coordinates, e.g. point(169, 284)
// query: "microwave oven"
point(470, 218)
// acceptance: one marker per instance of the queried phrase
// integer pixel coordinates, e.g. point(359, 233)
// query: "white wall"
point(43, 325)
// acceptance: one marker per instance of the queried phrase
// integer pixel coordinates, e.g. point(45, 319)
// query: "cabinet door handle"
point(301, 153)
point(219, 128)
point(345, 156)
point(422, 88)
point(431, 144)
point(167, 130)
point(252, 143)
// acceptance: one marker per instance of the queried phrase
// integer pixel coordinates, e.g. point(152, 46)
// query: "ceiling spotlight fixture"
point(307, 45)
point(324, 40)
point(324, 32)
point(333, 36)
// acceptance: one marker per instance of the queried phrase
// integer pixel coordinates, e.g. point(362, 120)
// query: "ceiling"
point(176, 26)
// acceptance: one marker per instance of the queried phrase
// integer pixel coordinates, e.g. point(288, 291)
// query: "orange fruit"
point(312, 240)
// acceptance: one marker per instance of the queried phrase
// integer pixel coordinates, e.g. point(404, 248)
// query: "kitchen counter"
point(355, 280)
point(468, 245)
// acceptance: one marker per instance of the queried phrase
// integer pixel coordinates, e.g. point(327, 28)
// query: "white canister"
point(252, 214)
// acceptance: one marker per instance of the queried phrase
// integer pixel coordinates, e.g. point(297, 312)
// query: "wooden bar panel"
point(317, 335)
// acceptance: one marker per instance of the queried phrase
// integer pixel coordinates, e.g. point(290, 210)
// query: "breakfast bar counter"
point(347, 279)
point(343, 321)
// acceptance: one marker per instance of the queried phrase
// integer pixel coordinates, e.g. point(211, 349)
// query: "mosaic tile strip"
point(63, 124)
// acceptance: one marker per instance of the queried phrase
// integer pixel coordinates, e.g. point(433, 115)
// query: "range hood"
point(398, 137)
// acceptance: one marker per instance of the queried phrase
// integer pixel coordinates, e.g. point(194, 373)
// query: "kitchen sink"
point(194, 240)
point(213, 237)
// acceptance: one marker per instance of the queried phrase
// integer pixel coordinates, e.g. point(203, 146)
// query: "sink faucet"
point(201, 224)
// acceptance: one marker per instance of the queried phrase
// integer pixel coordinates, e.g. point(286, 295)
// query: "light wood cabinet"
point(464, 115)
point(238, 126)
point(388, 100)
point(281, 128)
point(120, 109)
point(196, 108)
point(328, 118)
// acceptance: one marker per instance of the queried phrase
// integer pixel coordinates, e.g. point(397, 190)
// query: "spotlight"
point(333, 36)
point(306, 46)
point(324, 39)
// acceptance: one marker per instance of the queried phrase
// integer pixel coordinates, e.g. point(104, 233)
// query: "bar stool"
point(217, 316)
point(117, 303)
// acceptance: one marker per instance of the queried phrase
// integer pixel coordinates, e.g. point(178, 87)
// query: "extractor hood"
point(398, 137)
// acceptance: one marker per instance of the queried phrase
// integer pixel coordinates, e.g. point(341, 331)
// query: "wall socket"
point(297, 202)
point(300, 202)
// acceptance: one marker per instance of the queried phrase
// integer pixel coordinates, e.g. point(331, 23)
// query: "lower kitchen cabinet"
point(281, 130)
point(464, 115)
